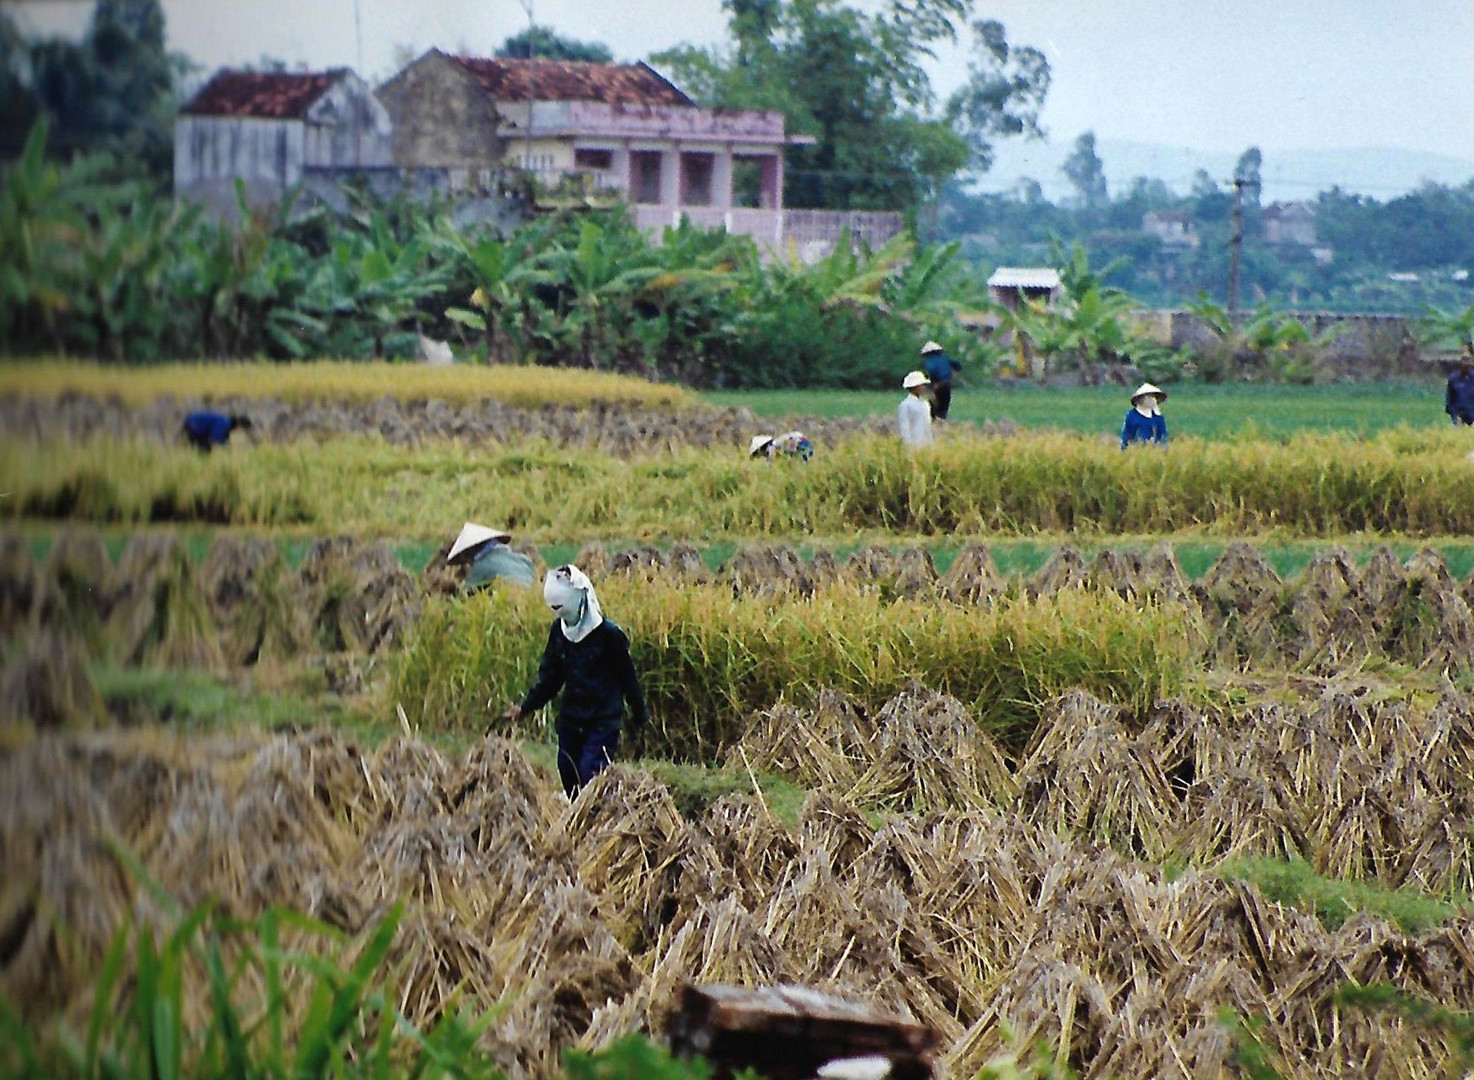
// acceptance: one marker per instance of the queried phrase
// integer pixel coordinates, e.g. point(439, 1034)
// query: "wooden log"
point(791, 1032)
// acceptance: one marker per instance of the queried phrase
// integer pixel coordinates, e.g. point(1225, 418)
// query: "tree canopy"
point(114, 90)
point(856, 81)
point(540, 41)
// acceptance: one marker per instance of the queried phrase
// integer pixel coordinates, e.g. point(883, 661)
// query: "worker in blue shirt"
point(1144, 420)
point(206, 430)
point(1458, 400)
point(938, 367)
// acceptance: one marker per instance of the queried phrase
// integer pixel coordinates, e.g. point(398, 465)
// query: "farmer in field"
point(486, 552)
point(1458, 399)
point(914, 414)
point(587, 657)
point(1144, 420)
point(938, 367)
point(791, 444)
point(206, 430)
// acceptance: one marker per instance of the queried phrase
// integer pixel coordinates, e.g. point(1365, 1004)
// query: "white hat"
point(930, 346)
point(472, 536)
point(914, 379)
point(757, 444)
point(1147, 388)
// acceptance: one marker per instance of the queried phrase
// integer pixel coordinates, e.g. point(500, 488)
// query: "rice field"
point(1127, 764)
point(1222, 411)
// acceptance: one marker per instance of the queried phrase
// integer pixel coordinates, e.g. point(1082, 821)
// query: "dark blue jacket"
point(596, 676)
point(208, 428)
point(1458, 402)
point(1138, 428)
point(939, 367)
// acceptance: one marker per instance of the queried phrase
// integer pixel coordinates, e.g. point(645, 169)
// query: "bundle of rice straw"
point(972, 578)
point(47, 683)
point(1087, 774)
point(78, 585)
point(253, 599)
point(161, 617)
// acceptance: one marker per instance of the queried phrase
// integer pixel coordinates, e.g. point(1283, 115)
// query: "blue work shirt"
point(1138, 428)
point(209, 427)
point(939, 367)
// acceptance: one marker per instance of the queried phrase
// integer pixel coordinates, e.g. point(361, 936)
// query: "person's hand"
point(513, 714)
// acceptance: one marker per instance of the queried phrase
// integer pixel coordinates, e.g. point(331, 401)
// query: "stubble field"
point(1142, 759)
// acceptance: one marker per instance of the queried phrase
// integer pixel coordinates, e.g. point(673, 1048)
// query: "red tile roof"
point(270, 95)
point(567, 80)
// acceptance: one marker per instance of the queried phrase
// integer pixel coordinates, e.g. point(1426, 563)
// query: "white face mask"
point(570, 595)
point(571, 612)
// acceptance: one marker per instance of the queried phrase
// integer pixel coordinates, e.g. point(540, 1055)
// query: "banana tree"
point(43, 228)
point(1451, 330)
point(595, 282)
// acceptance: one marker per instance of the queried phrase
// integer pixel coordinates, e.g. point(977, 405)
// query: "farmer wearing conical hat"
point(938, 367)
point(587, 657)
point(488, 557)
point(793, 443)
point(1144, 420)
point(914, 414)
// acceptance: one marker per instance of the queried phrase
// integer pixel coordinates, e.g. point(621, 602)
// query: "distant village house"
point(459, 124)
point(1174, 228)
point(272, 131)
point(1289, 223)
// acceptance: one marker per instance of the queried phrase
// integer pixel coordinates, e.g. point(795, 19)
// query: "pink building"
point(622, 129)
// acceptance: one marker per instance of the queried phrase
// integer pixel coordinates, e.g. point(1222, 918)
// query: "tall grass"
point(277, 997)
point(1404, 482)
point(707, 659)
point(212, 996)
point(326, 380)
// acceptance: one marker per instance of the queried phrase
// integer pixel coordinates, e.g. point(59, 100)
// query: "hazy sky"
point(1212, 75)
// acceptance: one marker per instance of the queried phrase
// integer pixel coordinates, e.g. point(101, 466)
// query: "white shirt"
point(914, 416)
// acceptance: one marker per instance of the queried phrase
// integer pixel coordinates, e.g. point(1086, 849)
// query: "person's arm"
point(1450, 398)
point(1126, 429)
point(550, 676)
point(628, 678)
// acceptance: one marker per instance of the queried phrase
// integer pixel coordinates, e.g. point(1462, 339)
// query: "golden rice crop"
point(969, 487)
point(708, 658)
point(329, 380)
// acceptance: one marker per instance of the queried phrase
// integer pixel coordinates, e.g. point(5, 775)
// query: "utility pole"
point(1235, 249)
point(531, 82)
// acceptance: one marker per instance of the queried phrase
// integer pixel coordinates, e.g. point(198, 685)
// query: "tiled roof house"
point(623, 127)
point(271, 129)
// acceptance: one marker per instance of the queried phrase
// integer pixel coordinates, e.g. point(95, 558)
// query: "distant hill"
point(1379, 172)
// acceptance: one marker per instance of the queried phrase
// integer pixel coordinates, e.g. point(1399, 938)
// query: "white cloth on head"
point(1147, 407)
point(570, 594)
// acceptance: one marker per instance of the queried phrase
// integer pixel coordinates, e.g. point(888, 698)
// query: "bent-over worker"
point(206, 430)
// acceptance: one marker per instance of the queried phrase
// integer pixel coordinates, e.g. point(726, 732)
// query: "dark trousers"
point(583, 753)
point(941, 399)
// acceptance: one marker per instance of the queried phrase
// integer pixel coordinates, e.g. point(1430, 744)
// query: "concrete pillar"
point(670, 177)
point(620, 170)
point(721, 179)
point(772, 195)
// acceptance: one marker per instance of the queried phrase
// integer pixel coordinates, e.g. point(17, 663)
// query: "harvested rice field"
point(1143, 765)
